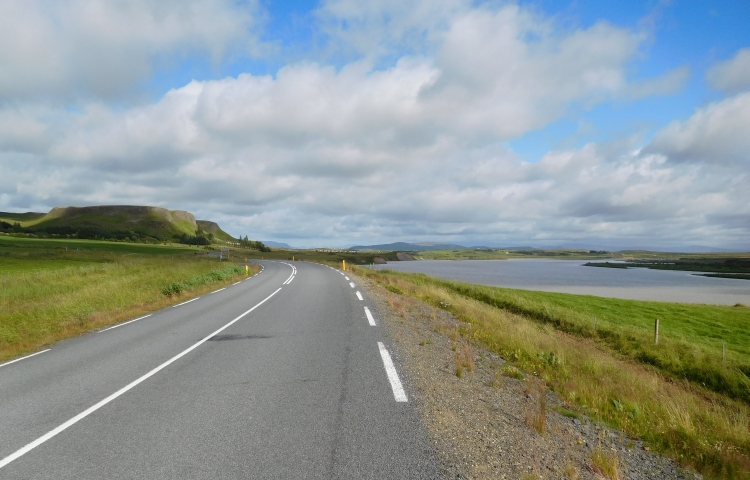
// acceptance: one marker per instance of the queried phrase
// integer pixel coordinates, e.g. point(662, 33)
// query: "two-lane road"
point(283, 375)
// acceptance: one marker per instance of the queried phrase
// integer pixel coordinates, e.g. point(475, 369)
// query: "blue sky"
point(342, 122)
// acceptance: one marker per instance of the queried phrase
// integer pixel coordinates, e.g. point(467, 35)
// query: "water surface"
point(570, 276)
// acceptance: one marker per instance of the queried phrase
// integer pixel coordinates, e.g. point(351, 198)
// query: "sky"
point(341, 122)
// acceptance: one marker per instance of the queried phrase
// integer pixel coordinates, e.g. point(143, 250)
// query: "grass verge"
point(38, 308)
point(545, 337)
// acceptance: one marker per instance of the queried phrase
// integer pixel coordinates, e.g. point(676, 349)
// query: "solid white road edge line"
point(398, 390)
point(216, 291)
point(124, 323)
point(23, 358)
point(183, 303)
point(5, 461)
point(359, 295)
point(370, 318)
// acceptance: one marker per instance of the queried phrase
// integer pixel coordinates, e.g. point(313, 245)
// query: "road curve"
point(283, 375)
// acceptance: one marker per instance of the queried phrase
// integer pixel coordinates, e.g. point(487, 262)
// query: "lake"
point(570, 276)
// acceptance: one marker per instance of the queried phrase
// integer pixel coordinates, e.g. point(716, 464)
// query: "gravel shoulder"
point(486, 424)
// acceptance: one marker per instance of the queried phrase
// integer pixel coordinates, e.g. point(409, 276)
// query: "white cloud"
point(669, 83)
point(715, 134)
point(414, 150)
point(732, 75)
point(62, 49)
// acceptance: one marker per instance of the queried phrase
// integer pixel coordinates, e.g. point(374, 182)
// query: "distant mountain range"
point(409, 247)
point(425, 246)
point(278, 244)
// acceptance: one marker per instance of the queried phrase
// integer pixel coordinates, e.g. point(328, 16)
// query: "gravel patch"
point(486, 424)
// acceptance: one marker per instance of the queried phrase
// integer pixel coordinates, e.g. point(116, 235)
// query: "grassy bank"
point(614, 373)
point(48, 295)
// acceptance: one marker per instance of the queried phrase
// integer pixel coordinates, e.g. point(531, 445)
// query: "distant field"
point(16, 266)
point(19, 245)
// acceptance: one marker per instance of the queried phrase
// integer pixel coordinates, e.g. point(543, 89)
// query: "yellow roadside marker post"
point(344, 262)
point(247, 270)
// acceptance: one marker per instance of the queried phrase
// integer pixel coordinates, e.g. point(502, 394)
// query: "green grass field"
point(48, 293)
point(43, 246)
point(690, 336)
point(679, 396)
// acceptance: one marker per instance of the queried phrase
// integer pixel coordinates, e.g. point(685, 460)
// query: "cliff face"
point(208, 226)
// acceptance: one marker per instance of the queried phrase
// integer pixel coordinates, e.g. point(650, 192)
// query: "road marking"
point(5, 461)
point(237, 283)
point(215, 291)
point(346, 277)
point(125, 323)
point(359, 295)
point(398, 390)
point(351, 284)
point(183, 303)
point(294, 272)
point(370, 318)
point(23, 358)
point(290, 280)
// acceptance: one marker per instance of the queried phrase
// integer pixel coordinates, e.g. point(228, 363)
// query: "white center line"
point(23, 358)
point(215, 291)
point(346, 277)
point(359, 295)
point(125, 323)
point(183, 303)
point(351, 284)
point(398, 390)
point(5, 461)
point(294, 271)
point(370, 318)
point(290, 280)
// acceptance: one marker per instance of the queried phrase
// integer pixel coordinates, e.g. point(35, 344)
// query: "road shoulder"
point(485, 424)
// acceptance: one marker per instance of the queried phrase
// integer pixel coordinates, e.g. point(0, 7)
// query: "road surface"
point(283, 375)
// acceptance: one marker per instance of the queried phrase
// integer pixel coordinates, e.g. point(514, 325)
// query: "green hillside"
point(213, 227)
point(116, 222)
point(20, 217)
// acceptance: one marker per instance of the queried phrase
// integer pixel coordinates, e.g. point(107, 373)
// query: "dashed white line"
point(125, 323)
point(5, 461)
point(359, 295)
point(216, 291)
point(398, 390)
point(290, 280)
point(23, 358)
point(237, 283)
point(346, 277)
point(370, 318)
point(183, 303)
point(351, 284)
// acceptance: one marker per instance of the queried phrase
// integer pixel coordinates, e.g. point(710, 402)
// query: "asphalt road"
point(282, 375)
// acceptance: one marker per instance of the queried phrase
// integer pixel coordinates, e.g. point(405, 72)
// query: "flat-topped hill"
point(116, 221)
